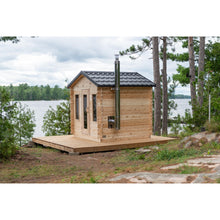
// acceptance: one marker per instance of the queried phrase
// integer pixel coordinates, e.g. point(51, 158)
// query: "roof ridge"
point(100, 79)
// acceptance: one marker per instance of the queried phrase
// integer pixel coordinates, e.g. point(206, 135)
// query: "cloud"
point(52, 60)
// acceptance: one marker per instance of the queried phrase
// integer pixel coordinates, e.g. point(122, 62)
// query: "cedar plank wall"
point(72, 112)
point(77, 128)
point(136, 113)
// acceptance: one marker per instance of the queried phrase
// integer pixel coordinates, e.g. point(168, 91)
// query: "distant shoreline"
point(180, 96)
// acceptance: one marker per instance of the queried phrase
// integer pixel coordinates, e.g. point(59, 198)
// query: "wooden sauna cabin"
point(111, 106)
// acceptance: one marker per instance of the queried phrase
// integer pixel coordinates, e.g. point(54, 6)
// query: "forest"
point(198, 66)
point(25, 92)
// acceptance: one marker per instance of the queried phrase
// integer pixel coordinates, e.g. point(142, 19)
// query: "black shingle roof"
point(107, 79)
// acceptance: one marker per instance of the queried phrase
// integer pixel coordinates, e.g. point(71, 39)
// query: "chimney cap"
point(116, 56)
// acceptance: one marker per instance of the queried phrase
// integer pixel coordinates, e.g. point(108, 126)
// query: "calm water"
point(40, 108)
point(182, 105)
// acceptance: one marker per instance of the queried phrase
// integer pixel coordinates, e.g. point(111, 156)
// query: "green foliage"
point(171, 154)
point(24, 124)
point(171, 93)
point(212, 126)
point(57, 121)
point(179, 96)
point(181, 77)
point(176, 125)
point(7, 128)
point(16, 124)
point(25, 92)
point(139, 49)
point(190, 169)
point(13, 39)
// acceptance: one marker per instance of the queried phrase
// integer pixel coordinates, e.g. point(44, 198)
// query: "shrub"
point(212, 126)
point(7, 129)
point(57, 121)
point(16, 125)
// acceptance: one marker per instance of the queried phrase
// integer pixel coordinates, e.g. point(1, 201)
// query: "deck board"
point(71, 144)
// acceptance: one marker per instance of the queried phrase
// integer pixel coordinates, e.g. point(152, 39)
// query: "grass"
point(190, 170)
point(179, 153)
point(62, 168)
point(36, 171)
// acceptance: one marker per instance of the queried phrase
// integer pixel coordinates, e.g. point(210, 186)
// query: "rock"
point(154, 147)
point(203, 140)
point(195, 142)
point(199, 139)
point(211, 137)
point(185, 139)
point(198, 135)
point(31, 144)
point(188, 144)
point(143, 150)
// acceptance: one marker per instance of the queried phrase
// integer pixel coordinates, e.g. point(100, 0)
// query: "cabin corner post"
point(151, 110)
point(71, 110)
point(99, 114)
point(117, 92)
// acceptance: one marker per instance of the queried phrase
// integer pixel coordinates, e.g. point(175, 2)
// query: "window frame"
point(94, 107)
point(85, 114)
point(77, 106)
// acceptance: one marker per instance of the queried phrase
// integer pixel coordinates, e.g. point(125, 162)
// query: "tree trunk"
point(201, 70)
point(165, 96)
point(192, 73)
point(157, 90)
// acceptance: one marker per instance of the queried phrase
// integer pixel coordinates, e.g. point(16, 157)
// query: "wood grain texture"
point(136, 112)
point(70, 143)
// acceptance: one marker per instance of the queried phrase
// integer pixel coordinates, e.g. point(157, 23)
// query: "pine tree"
point(7, 129)
point(157, 90)
point(57, 121)
point(165, 94)
point(24, 124)
point(192, 73)
point(201, 69)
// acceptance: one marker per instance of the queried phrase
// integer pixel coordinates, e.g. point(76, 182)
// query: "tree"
point(13, 39)
point(57, 122)
point(7, 129)
point(201, 69)
point(16, 124)
point(207, 76)
point(157, 90)
point(165, 95)
point(24, 124)
point(192, 73)
point(47, 92)
point(135, 52)
point(56, 92)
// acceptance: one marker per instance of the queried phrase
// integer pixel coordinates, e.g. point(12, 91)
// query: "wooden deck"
point(71, 144)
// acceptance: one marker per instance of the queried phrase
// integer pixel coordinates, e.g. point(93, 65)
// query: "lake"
point(40, 108)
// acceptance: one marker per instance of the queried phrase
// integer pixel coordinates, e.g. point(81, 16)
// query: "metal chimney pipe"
point(117, 92)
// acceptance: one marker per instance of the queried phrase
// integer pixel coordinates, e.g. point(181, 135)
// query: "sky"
point(53, 60)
